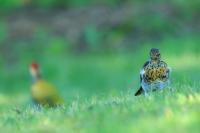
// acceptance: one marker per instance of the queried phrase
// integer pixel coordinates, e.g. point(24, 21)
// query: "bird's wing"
point(142, 71)
point(167, 71)
point(42, 90)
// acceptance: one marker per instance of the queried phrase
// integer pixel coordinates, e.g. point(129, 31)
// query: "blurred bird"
point(154, 74)
point(43, 93)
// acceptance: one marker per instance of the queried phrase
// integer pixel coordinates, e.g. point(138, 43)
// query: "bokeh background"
point(94, 45)
point(90, 48)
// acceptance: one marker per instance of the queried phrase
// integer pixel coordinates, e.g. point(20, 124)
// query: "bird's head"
point(155, 54)
point(34, 70)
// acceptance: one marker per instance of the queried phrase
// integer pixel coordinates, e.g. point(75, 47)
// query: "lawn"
point(98, 89)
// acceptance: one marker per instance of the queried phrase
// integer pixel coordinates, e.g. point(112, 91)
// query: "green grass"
point(166, 111)
point(98, 91)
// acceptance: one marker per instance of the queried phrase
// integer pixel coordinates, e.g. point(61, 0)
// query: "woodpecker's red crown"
point(35, 66)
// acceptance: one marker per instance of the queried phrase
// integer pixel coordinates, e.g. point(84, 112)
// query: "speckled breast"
point(154, 72)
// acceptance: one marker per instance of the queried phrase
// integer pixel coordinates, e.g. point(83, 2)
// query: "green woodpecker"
point(43, 93)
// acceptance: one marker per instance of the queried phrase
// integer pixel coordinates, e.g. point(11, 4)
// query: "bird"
point(154, 75)
point(43, 93)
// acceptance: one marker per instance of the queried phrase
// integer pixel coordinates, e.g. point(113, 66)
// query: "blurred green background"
point(86, 46)
point(90, 48)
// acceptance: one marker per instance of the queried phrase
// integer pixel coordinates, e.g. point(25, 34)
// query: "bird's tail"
point(139, 92)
